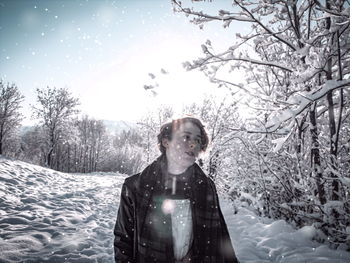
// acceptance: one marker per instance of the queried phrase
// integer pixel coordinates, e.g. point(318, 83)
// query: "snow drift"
point(47, 216)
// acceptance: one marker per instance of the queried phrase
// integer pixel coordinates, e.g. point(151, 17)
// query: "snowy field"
point(47, 216)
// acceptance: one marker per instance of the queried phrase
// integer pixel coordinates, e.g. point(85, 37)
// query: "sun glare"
point(116, 90)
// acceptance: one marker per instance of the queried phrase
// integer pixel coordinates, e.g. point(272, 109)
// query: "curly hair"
point(168, 128)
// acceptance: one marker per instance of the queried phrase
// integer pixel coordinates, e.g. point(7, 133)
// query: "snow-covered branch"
point(268, 30)
point(223, 15)
point(305, 100)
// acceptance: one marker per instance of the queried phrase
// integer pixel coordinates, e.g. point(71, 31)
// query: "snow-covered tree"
point(296, 61)
point(10, 116)
point(219, 117)
point(149, 128)
point(33, 146)
point(126, 153)
point(54, 109)
point(90, 146)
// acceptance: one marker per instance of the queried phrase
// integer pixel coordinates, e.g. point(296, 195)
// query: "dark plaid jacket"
point(139, 221)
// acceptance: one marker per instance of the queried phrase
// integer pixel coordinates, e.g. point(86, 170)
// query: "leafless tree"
point(10, 116)
point(54, 108)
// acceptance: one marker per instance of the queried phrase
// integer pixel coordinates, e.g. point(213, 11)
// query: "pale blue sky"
point(103, 51)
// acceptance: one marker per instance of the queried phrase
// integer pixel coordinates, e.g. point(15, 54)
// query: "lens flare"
point(168, 206)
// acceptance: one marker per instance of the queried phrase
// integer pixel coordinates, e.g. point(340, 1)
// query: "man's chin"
point(190, 160)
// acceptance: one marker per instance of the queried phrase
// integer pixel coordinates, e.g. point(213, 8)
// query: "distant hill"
point(25, 129)
point(118, 126)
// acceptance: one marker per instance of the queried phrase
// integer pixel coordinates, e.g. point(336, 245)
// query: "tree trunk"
point(91, 159)
point(85, 161)
point(315, 156)
point(58, 157)
point(332, 123)
point(68, 158)
point(298, 147)
point(333, 147)
point(75, 158)
point(1, 139)
point(49, 158)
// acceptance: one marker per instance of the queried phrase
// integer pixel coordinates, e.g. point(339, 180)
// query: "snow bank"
point(260, 240)
point(47, 216)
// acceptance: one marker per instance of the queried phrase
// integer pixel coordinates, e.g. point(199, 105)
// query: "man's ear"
point(165, 142)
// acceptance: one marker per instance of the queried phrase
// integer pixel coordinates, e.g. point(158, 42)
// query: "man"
point(170, 212)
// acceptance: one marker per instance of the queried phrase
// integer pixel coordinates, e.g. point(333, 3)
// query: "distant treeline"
point(62, 140)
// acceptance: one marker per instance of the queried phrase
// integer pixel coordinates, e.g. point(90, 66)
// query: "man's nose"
point(193, 144)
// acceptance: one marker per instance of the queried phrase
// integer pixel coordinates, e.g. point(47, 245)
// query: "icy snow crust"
point(47, 216)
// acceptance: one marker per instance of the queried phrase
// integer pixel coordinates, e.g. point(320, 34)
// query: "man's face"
point(184, 147)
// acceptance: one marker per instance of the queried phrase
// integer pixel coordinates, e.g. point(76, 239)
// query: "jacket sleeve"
point(124, 228)
point(226, 244)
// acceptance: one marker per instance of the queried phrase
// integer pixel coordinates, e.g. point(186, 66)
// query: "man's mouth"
point(190, 154)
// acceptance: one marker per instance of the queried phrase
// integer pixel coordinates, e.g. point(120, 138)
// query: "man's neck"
point(175, 170)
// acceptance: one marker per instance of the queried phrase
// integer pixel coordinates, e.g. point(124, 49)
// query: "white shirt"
point(182, 228)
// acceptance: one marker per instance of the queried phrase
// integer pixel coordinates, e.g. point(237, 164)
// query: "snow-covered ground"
point(263, 240)
point(47, 216)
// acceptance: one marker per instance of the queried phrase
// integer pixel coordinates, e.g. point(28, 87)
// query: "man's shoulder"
point(202, 176)
point(144, 175)
point(199, 171)
point(131, 181)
